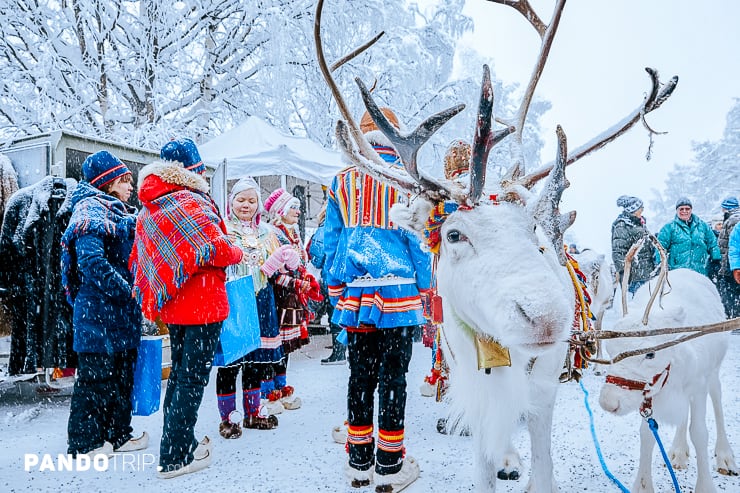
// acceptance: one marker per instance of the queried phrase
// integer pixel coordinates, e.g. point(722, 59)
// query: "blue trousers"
point(192, 348)
point(100, 410)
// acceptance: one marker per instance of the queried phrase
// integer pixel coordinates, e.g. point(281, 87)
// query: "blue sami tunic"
point(374, 270)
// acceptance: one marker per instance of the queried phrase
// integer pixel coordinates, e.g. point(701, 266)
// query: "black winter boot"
point(338, 354)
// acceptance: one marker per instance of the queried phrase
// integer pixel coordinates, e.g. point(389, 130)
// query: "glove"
point(278, 260)
point(736, 275)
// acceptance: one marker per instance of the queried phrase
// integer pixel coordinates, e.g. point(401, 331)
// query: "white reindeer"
point(502, 267)
point(600, 280)
point(670, 382)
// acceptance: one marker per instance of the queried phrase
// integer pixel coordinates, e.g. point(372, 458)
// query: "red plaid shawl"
point(175, 236)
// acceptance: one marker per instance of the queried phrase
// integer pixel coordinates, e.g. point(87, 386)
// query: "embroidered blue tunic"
point(374, 270)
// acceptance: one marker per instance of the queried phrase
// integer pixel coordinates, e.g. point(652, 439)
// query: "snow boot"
point(105, 449)
point(339, 434)
point(338, 354)
point(357, 478)
point(202, 457)
point(288, 398)
point(133, 444)
point(393, 483)
point(228, 430)
point(257, 422)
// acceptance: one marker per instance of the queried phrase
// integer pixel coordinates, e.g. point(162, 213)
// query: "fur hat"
point(683, 201)
point(279, 202)
point(246, 183)
point(730, 203)
point(457, 159)
point(102, 168)
point(630, 204)
point(183, 151)
point(368, 125)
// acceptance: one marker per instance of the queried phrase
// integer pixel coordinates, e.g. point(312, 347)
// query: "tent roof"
point(256, 148)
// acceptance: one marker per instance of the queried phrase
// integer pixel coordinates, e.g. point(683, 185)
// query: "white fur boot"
point(393, 483)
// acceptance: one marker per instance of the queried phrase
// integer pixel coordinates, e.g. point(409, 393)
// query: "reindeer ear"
point(412, 217)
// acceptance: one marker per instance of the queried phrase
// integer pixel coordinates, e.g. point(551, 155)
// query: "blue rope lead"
point(654, 428)
point(596, 442)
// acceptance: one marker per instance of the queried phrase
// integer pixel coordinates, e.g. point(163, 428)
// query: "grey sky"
point(595, 76)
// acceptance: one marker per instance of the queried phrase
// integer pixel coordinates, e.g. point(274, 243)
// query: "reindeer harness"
point(649, 389)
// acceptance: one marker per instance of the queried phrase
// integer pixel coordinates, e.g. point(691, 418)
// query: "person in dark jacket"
point(107, 321)
point(30, 251)
point(628, 229)
point(729, 290)
point(688, 240)
point(179, 262)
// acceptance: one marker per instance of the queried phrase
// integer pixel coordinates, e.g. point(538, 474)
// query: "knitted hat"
point(630, 204)
point(183, 151)
point(457, 158)
point(368, 125)
point(730, 203)
point(102, 168)
point(246, 183)
point(683, 201)
point(279, 202)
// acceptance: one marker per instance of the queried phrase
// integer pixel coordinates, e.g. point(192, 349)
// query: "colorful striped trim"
point(101, 180)
point(390, 441)
point(193, 166)
point(364, 201)
point(336, 291)
point(290, 332)
point(359, 435)
point(363, 329)
point(386, 305)
point(271, 342)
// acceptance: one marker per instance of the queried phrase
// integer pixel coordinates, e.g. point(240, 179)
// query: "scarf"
point(98, 214)
point(175, 236)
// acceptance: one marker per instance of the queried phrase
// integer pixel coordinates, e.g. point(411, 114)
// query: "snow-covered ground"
point(300, 456)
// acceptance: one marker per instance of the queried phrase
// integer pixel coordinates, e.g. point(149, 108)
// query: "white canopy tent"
point(256, 148)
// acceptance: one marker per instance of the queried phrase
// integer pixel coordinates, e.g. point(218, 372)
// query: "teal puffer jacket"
point(690, 245)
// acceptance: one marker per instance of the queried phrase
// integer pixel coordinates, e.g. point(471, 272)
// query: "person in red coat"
point(181, 250)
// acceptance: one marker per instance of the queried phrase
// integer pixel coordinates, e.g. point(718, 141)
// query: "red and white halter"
point(649, 389)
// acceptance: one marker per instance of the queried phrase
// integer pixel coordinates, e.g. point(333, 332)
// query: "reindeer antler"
point(348, 131)
point(652, 101)
point(361, 153)
point(628, 270)
point(662, 276)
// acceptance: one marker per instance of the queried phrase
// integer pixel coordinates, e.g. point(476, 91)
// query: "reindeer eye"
point(650, 356)
point(454, 236)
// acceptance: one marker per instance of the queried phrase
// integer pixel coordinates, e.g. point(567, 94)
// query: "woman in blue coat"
point(107, 320)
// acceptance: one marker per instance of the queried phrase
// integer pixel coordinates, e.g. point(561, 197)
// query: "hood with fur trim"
point(162, 177)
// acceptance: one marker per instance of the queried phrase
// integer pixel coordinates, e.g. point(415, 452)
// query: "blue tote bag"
point(147, 377)
point(240, 333)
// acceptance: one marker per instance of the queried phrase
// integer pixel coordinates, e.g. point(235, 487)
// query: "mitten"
point(736, 275)
point(314, 291)
point(273, 263)
point(290, 257)
point(302, 286)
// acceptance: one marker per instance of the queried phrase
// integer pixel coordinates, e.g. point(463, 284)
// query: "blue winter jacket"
point(95, 250)
point(733, 252)
point(689, 245)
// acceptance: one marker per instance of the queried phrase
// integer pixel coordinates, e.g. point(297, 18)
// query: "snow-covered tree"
point(712, 174)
